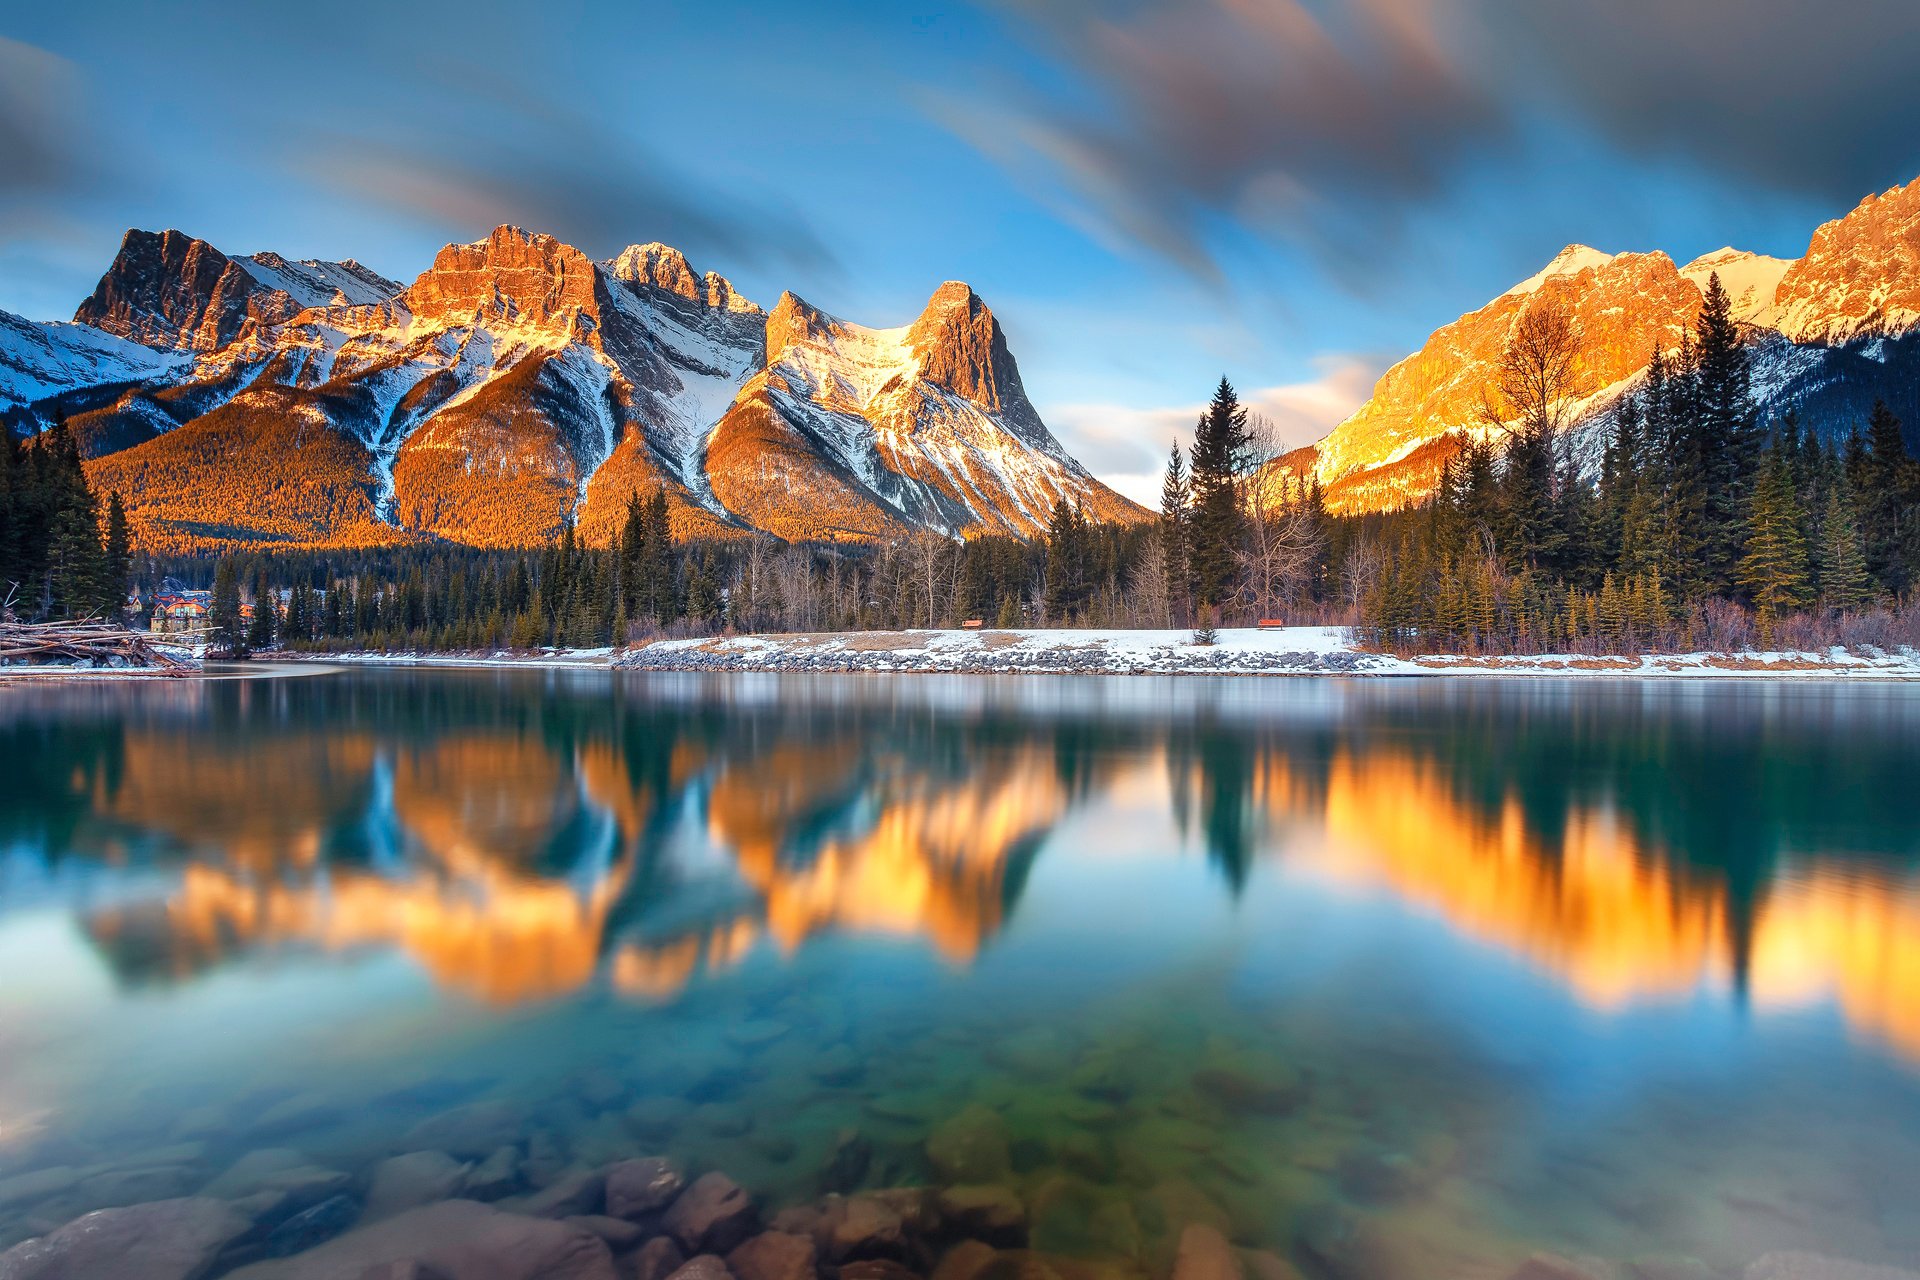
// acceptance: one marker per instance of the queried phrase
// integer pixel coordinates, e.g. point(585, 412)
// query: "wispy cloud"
point(47, 152)
point(524, 158)
point(1127, 445)
point(1177, 127)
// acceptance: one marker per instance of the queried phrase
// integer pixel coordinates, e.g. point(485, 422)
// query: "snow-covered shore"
point(1236, 651)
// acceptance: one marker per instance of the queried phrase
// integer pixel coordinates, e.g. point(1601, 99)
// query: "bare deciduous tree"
point(1148, 599)
point(1281, 539)
point(1531, 392)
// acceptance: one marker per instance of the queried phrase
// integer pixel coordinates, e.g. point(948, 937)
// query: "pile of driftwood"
point(99, 644)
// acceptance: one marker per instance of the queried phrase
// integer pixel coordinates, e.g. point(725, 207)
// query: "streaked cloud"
point(525, 158)
point(1127, 445)
point(1183, 128)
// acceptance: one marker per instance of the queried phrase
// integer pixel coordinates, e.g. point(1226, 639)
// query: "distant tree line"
point(62, 554)
point(1691, 524)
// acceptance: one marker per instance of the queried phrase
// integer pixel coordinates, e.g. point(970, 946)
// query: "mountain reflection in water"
point(521, 837)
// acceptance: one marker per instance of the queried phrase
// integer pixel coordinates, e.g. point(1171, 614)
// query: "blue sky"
point(1149, 194)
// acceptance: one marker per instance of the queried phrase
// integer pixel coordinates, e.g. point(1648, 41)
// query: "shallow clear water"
point(1390, 978)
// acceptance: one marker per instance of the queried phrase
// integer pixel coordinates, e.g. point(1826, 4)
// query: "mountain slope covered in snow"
point(1829, 332)
point(517, 385)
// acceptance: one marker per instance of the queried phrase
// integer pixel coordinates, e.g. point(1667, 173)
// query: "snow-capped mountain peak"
point(516, 385)
point(1750, 279)
point(1570, 261)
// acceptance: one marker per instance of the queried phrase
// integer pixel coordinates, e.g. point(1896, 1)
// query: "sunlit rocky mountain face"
point(1830, 332)
point(518, 384)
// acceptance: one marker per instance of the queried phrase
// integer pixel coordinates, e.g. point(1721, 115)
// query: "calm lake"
point(1388, 978)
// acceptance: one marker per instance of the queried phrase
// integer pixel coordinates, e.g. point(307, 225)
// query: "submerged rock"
point(1551, 1266)
point(1252, 1083)
point(639, 1188)
point(496, 1176)
point(657, 1259)
point(455, 1238)
point(164, 1240)
point(711, 1216)
point(619, 1234)
point(472, 1132)
point(1073, 1216)
point(1812, 1266)
point(409, 1181)
point(1205, 1255)
point(838, 1066)
point(312, 1227)
point(971, 1147)
point(992, 1214)
point(704, 1267)
point(578, 1191)
point(848, 1158)
point(774, 1255)
point(967, 1260)
point(860, 1227)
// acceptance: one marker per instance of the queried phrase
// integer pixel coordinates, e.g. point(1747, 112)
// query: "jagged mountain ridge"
point(1830, 332)
point(518, 383)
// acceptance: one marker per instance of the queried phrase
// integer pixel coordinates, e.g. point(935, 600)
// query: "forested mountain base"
point(1700, 528)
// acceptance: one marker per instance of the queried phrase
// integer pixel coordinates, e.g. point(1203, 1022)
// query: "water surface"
point(1389, 978)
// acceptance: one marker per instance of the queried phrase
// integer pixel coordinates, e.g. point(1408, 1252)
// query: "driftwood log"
point(103, 644)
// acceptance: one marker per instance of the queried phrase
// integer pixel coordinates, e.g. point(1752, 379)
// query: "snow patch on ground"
point(1242, 651)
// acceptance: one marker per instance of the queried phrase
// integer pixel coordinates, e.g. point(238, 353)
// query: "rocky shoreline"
point(1063, 661)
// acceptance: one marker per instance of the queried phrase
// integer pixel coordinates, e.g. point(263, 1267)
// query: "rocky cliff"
point(518, 384)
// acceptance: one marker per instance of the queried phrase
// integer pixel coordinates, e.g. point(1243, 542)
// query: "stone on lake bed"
point(638, 1188)
point(1205, 1254)
point(1073, 1216)
point(494, 1177)
point(756, 1032)
point(162, 1240)
point(577, 1191)
point(965, 1261)
point(971, 1147)
point(837, 1066)
point(1252, 1083)
point(1788, 1265)
point(657, 1116)
point(1264, 1264)
point(990, 1213)
point(713, 1215)
point(774, 1255)
point(471, 1132)
point(619, 1234)
point(276, 1182)
point(704, 1267)
point(864, 1226)
point(876, 1269)
point(39, 1184)
point(409, 1181)
point(455, 1238)
point(657, 1259)
point(313, 1226)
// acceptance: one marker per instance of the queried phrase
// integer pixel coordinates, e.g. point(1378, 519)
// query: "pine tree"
point(1774, 570)
point(1222, 446)
point(261, 627)
point(224, 627)
point(1885, 487)
point(118, 564)
point(1176, 497)
point(1067, 583)
point(1724, 438)
point(1845, 584)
